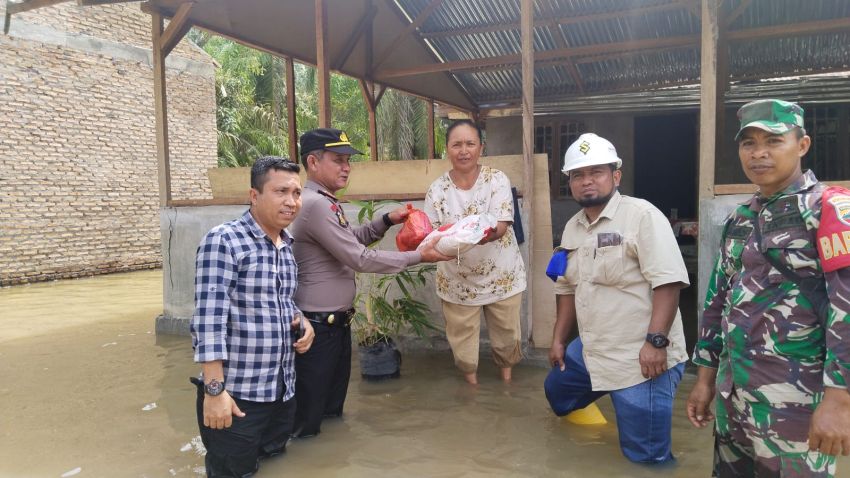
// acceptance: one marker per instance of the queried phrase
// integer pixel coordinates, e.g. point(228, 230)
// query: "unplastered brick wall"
point(78, 168)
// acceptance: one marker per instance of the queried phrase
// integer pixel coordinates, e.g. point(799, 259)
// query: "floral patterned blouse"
point(487, 273)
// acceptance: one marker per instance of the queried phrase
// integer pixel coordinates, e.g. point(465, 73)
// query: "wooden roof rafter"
point(570, 20)
point(512, 60)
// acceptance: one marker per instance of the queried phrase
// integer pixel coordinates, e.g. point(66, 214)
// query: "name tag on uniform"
point(607, 239)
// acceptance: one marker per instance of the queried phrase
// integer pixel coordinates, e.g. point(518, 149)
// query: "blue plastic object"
point(557, 264)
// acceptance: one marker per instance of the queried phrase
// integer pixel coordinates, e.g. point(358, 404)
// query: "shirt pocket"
point(795, 250)
point(607, 266)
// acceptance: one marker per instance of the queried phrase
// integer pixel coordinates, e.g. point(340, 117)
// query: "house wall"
point(78, 168)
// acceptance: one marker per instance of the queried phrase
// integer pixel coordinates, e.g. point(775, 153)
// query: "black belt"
point(340, 318)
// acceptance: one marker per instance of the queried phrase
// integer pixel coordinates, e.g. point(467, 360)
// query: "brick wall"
point(78, 176)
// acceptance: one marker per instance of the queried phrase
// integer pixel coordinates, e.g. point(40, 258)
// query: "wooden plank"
point(362, 27)
point(177, 27)
point(416, 23)
point(429, 106)
point(163, 161)
point(322, 64)
point(292, 121)
point(708, 97)
point(13, 8)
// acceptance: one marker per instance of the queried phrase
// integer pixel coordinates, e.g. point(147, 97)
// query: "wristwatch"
point(387, 221)
point(658, 340)
point(214, 388)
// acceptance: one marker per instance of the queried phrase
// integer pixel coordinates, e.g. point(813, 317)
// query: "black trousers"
point(261, 433)
point(321, 378)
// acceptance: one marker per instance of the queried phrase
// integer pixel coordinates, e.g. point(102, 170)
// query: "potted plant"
point(386, 307)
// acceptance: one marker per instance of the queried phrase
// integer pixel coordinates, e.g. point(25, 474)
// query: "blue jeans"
point(644, 411)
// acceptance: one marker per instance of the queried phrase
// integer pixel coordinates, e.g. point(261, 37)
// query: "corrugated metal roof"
point(639, 20)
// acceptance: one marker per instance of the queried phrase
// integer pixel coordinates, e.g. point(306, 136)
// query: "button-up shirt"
point(244, 285)
point(613, 263)
point(762, 335)
point(329, 250)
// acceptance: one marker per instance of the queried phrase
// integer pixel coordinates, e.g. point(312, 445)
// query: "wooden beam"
point(791, 29)
point(160, 112)
point(92, 3)
point(510, 61)
point(362, 26)
point(292, 122)
point(571, 20)
point(527, 49)
point(13, 8)
point(322, 64)
point(710, 97)
point(177, 27)
point(416, 23)
point(429, 106)
point(368, 90)
point(736, 12)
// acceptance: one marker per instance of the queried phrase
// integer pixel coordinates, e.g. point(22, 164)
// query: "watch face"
point(214, 387)
point(659, 341)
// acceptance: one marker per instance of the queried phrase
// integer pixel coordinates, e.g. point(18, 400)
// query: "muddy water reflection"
point(85, 384)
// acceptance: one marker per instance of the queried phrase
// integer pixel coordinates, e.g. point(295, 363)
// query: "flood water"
point(88, 390)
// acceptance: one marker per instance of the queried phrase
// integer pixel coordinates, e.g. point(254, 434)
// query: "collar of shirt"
point(258, 232)
point(806, 181)
point(607, 212)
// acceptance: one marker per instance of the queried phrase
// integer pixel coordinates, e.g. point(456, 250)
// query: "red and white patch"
point(834, 232)
point(841, 204)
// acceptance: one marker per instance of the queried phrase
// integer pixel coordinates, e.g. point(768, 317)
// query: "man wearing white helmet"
point(621, 286)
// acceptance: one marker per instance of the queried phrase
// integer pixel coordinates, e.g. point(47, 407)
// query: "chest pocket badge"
point(340, 215)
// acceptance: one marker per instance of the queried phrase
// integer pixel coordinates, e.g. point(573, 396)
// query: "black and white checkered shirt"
point(244, 286)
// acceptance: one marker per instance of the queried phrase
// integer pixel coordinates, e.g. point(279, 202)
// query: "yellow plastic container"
point(589, 415)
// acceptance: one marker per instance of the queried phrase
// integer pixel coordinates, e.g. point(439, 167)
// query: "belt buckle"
point(331, 318)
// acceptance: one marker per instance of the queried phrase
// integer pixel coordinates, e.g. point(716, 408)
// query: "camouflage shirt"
point(761, 334)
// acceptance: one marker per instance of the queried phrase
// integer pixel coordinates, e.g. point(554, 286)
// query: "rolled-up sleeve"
point(837, 363)
point(215, 280)
point(710, 337)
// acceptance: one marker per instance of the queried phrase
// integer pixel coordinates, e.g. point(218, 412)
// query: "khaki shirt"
point(612, 266)
point(329, 249)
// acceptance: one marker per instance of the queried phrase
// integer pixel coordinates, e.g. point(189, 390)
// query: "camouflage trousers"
point(757, 439)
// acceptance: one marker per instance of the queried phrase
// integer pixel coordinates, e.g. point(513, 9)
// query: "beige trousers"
point(463, 328)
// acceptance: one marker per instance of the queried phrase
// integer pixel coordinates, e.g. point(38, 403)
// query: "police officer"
point(329, 250)
point(773, 340)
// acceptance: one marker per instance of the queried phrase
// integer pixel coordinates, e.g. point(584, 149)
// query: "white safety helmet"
point(590, 150)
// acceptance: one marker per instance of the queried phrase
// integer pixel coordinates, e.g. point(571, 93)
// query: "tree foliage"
point(251, 116)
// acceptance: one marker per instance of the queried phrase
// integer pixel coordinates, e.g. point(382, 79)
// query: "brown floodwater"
point(88, 390)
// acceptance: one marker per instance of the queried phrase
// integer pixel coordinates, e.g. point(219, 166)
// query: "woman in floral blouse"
point(490, 276)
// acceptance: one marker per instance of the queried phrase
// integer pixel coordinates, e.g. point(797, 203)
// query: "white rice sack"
point(461, 236)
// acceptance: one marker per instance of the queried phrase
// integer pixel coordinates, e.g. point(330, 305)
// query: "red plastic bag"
point(415, 228)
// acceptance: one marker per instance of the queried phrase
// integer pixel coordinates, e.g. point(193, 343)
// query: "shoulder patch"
point(834, 232)
point(841, 204)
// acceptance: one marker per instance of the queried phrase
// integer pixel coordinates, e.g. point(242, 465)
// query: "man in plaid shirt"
point(246, 328)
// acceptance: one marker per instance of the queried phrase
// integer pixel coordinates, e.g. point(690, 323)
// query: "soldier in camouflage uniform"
point(774, 348)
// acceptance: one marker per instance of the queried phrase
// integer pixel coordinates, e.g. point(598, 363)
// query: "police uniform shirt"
point(329, 249)
point(613, 265)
